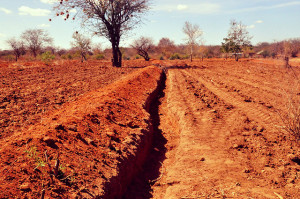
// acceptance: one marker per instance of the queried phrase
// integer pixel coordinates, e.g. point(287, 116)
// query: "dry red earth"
point(227, 142)
point(29, 89)
point(216, 130)
point(100, 140)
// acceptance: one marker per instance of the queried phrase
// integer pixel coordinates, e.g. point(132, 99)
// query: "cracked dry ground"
point(223, 136)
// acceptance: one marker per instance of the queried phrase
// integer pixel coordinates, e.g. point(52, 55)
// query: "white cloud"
point(49, 1)
point(44, 25)
point(182, 7)
point(24, 10)
point(269, 7)
point(199, 8)
point(251, 26)
point(293, 3)
point(6, 11)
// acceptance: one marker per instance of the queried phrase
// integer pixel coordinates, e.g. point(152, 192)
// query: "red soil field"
point(30, 89)
point(212, 129)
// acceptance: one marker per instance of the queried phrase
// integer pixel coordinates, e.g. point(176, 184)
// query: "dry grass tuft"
point(291, 118)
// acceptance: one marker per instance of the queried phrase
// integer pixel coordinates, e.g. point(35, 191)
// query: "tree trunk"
point(83, 57)
point(236, 57)
point(191, 55)
point(147, 58)
point(287, 62)
point(117, 56)
point(144, 54)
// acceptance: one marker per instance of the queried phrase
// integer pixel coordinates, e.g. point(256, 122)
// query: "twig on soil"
point(161, 175)
point(43, 194)
point(279, 196)
point(46, 157)
point(11, 166)
point(49, 167)
point(56, 168)
point(66, 177)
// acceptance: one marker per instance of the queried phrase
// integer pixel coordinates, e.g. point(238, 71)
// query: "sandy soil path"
point(226, 143)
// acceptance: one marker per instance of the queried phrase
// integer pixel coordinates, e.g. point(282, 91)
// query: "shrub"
point(47, 57)
point(291, 119)
point(125, 57)
point(175, 56)
point(185, 56)
point(137, 57)
point(10, 58)
point(265, 53)
point(161, 58)
point(67, 56)
point(100, 57)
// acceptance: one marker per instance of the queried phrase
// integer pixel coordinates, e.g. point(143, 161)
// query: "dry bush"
point(291, 118)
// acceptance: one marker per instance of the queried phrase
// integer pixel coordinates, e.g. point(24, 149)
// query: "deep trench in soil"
point(150, 172)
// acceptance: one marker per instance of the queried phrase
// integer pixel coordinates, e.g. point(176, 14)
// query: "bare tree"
point(202, 50)
point(108, 18)
point(290, 49)
point(166, 46)
point(61, 51)
point(143, 45)
point(295, 43)
point(82, 44)
point(238, 38)
point(193, 33)
point(287, 51)
point(17, 46)
point(35, 40)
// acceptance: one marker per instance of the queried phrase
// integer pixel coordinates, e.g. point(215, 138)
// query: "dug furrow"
point(219, 146)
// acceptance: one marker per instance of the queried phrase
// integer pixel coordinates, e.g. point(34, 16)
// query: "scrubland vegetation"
point(164, 49)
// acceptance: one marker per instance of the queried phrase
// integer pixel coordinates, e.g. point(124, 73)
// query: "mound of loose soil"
point(91, 147)
point(29, 89)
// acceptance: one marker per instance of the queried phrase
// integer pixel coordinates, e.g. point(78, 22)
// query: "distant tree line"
point(113, 19)
point(276, 49)
point(37, 44)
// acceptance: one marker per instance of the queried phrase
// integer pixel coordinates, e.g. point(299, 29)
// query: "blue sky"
point(267, 20)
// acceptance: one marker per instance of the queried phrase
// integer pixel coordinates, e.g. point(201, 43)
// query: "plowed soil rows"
point(30, 89)
point(227, 141)
point(90, 148)
point(217, 131)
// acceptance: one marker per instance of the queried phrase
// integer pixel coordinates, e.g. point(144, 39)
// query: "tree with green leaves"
point(108, 18)
point(237, 40)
